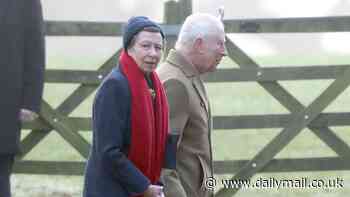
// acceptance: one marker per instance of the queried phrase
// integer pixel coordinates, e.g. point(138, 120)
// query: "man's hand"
point(25, 115)
point(154, 191)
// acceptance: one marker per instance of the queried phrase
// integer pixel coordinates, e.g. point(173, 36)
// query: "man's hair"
point(196, 26)
point(148, 29)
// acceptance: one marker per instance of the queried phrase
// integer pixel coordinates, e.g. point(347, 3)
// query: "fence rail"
point(268, 25)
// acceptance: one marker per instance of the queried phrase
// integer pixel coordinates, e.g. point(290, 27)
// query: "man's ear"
point(198, 45)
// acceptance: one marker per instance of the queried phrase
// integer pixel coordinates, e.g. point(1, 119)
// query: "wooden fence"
point(291, 124)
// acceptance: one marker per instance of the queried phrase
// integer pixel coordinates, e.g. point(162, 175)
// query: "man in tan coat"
point(199, 49)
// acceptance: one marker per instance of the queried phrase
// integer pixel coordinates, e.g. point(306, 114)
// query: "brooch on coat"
point(152, 92)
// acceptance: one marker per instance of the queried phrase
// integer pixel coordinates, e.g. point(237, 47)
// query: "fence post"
point(175, 12)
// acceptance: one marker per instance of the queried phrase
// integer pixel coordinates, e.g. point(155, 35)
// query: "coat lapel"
point(187, 68)
point(199, 87)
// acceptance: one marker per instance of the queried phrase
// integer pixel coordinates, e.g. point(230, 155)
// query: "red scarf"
point(149, 123)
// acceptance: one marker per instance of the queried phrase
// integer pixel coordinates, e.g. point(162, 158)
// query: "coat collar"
point(176, 59)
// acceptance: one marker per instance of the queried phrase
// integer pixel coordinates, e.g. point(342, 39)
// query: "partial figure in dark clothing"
point(22, 64)
point(198, 50)
point(130, 120)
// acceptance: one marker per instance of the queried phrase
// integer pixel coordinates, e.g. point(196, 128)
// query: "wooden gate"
point(300, 116)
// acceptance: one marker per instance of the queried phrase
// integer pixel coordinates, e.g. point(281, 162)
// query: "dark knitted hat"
point(134, 26)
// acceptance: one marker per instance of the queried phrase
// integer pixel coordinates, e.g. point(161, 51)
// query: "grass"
point(226, 99)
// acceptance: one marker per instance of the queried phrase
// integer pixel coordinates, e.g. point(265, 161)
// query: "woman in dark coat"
point(22, 64)
point(130, 120)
